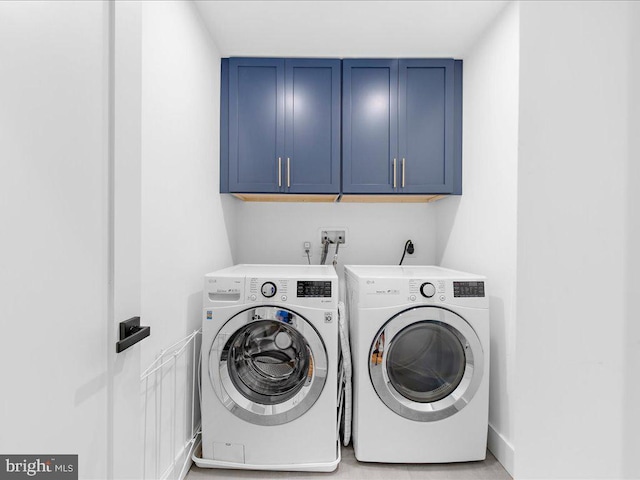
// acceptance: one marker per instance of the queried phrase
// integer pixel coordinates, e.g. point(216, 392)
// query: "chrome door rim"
point(459, 397)
point(257, 413)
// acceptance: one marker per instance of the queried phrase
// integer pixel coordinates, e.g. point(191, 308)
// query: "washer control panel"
point(261, 289)
point(293, 291)
point(312, 288)
point(268, 289)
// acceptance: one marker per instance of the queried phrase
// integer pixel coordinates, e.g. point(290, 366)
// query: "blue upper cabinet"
point(370, 126)
point(312, 125)
point(402, 126)
point(325, 126)
point(256, 124)
point(283, 125)
point(425, 126)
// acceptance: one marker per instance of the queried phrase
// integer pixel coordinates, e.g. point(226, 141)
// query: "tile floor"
point(351, 469)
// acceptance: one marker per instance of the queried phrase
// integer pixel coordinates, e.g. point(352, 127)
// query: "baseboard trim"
point(182, 463)
point(501, 449)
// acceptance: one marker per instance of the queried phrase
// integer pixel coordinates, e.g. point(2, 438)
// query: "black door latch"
point(131, 333)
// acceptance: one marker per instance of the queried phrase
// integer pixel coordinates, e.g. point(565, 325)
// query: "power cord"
point(408, 248)
point(308, 257)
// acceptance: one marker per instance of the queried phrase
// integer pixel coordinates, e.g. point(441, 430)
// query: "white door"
point(69, 233)
point(126, 409)
point(54, 231)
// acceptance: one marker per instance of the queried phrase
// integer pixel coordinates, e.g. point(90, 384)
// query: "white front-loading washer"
point(420, 347)
point(269, 368)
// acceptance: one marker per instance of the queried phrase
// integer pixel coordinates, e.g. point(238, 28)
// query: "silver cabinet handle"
point(394, 173)
point(403, 173)
point(288, 172)
point(279, 171)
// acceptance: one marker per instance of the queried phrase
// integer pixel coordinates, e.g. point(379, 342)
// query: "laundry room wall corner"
point(631, 462)
point(230, 207)
point(477, 231)
point(185, 226)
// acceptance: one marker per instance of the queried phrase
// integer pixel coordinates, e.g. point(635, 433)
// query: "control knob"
point(427, 290)
point(268, 289)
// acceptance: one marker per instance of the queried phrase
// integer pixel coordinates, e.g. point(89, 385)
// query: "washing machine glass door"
point(268, 365)
point(426, 363)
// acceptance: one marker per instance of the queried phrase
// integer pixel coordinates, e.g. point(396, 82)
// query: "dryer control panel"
point(391, 285)
point(468, 289)
point(380, 292)
point(426, 288)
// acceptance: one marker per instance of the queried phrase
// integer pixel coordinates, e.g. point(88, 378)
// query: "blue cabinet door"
point(402, 126)
point(283, 125)
point(370, 126)
point(256, 125)
point(312, 126)
point(426, 126)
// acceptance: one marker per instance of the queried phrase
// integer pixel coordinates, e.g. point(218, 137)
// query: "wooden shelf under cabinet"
point(390, 198)
point(332, 198)
point(286, 197)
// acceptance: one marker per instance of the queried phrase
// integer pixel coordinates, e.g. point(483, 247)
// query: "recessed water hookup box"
point(333, 236)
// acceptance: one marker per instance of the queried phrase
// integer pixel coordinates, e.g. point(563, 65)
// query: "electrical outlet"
point(306, 247)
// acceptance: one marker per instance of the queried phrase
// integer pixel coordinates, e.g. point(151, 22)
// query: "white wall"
point(183, 226)
point(477, 231)
point(376, 233)
point(54, 232)
point(630, 460)
point(572, 222)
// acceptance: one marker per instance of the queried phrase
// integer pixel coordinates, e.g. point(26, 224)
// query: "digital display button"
point(313, 289)
point(468, 289)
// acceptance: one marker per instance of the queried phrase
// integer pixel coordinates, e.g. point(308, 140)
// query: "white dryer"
point(269, 368)
point(420, 346)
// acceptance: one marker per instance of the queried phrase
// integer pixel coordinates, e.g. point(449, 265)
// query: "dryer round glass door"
point(426, 363)
point(268, 365)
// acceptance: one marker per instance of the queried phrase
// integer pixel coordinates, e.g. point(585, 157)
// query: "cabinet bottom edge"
point(368, 198)
point(286, 197)
point(337, 198)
